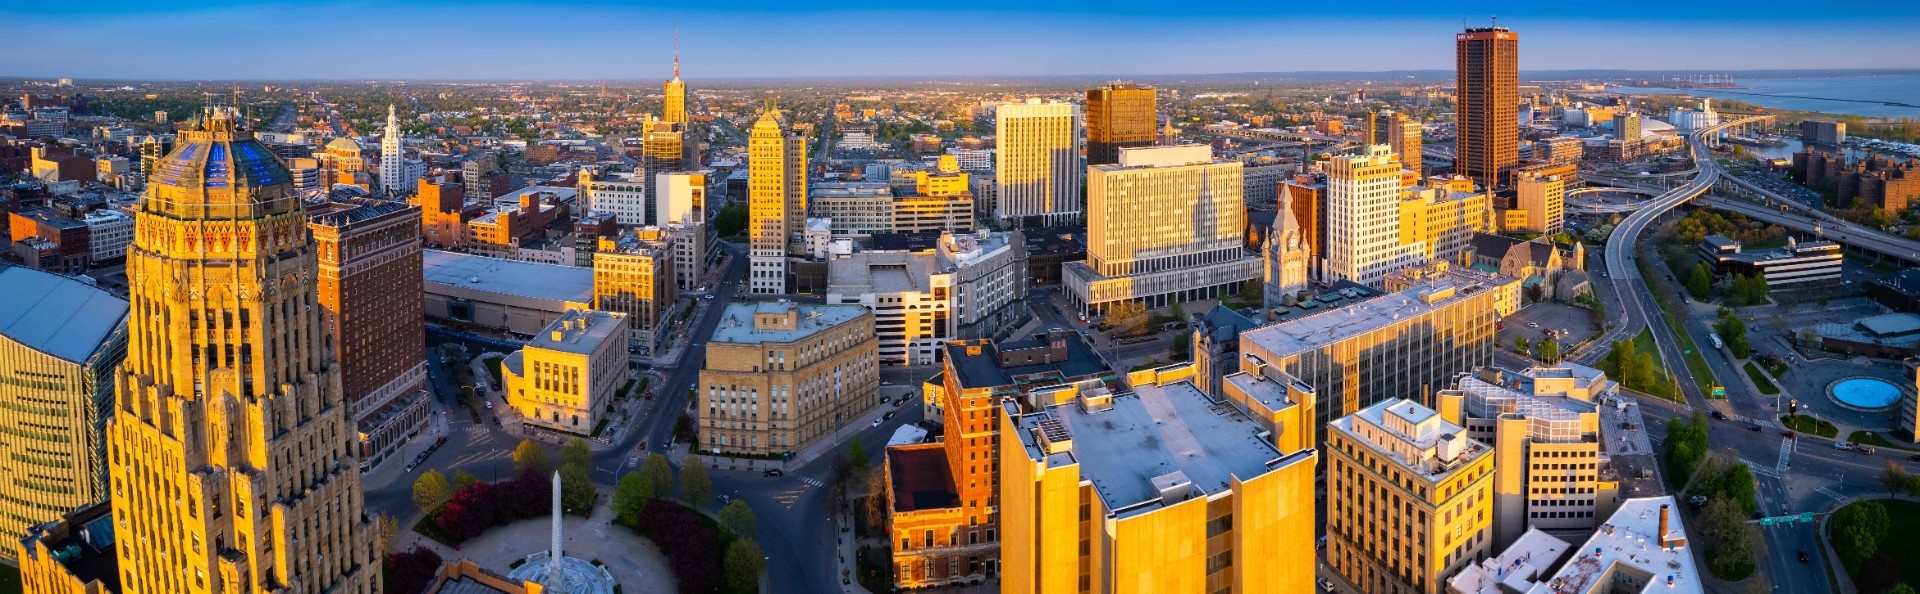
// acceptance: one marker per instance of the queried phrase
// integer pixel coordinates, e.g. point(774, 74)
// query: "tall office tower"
point(675, 107)
point(392, 162)
point(151, 151)
point(665, 147)
point(230, 432)
point(1551, 468)
point(60, 340)
point(1119, 115)
point(1158, 490)
point(776, 201)
point(1363, 218)
point(1409, 499)
point(1037, 161)
point(680, 204)
point(1287, 253)
point(370, 284)
point(1487, 74)
point(1544, 199)
point(1627, 128)
point(1396, 130)
point(1167, 226)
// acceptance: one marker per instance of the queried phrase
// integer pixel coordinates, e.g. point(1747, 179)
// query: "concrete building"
point(1823, 131)
point(780, 376)
point(1543, 197)
point(1362, 221)
point(1442, 221)
point(1153, 490)
point(393, 171)
point(566, 376)
point(109, 232)
point(522, 219)
point(1409, 499)
point(1688, 120)
point(1559, 150)
point(967, 287)
point(343, 162)
point(1402, 133)
point(1487, 67)
point(623, 194)
point(1798, 265)
point(370, 285)
point(1642, 547)
point(60, 342)
point(1166, 227)
point(1119, 115)
point(680, 204)
point(674, 106)
point(72, 554)
point(230, 429)
point(777, 202)
point(1551, 469)
point(1037, 162)
point(633, 274)
point(498, 294)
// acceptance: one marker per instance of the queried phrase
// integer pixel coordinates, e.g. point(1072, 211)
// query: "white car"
point(1326, 585)
point(876, 422)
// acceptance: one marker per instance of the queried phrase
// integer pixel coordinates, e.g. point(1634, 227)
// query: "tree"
point(1520, 344)
point(1597, 312)
point(1700, 282)
point(1900, 588)
point(659, 472)
point(695, 485)
point(743, 565)
point(530, 457)
point(875, 505)
point(431, 491)
point(1894, 478)
point(1182, 346)
point(463, 479)
point(411, 571)
point(737, 519)
point(1736, 485)
point(1913, 484)
point(576, 489)
point(575, 451)
point(857, 455)
point(630, 497)
point(1127, 318)
point(1856, 531)
point(732, 220)
point(1549, 351)
point(1730, 540)
point(1734, 332)
point(1254, 293)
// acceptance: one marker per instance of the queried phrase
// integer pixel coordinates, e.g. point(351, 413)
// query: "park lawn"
point(1696, 364)
point(1760, 380)
point(1805, 424)
point(1877, 440)
point(1643, 343)
point(1904, 517)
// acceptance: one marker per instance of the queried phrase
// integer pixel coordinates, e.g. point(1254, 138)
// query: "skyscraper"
point(675, 105)
point(1396, 130)
point(1488, 81)
point(1037, 162)
point(392, 166)
point(776, 201)
point(1119, 115)
point(370, 284)
point(230, 433)
point(1363, 218)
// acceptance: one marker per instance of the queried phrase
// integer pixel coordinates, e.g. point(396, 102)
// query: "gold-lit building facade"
point(782, 375)
point(1552, 471)
point(776, 202)
point(565, 377)
point(633, 274)
point(1487, 67)
point(1409, 499)
point(1119, 115)
point(230, 448)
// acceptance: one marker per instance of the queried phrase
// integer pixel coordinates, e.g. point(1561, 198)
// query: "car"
point(1841, 445)
point(489, 405)
point(1533, 324)
point(1326, 585)
point(774, 472)
point(889, 415)
point(876, 423)
point(1803, 557)
point(1719, 415)
point(1788, 434)
point(900, 401)
point(1757, 429)
point(886, 382)
point(725, 499)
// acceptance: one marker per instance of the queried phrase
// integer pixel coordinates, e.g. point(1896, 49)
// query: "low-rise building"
point(73, 554)
point(109, 232)
point(498, 294)
point(566, 376)
point(501, 232)
point(1409, 499)
point(968, 287)
point(780, 376)
point(1892, 336)
point(1642, 547)
point(1798, 265)
point(1551, 469)
point(43, 238)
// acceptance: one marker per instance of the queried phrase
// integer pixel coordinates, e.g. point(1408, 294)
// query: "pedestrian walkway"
point(847, 551)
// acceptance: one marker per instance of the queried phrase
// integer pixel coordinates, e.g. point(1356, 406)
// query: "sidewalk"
point(849, 565)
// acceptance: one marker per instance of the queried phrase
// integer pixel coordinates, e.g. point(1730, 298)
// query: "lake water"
point(1830, 94)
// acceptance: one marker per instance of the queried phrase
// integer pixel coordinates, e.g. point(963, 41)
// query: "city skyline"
point(389, 42)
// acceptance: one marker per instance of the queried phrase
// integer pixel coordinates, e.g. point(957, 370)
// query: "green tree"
point(464, 479)
point(1900, 588)
point(431, 491)
point(744, 563)
point(737, 519)
point(1734, 332)
point(576, 451)
point(1520, 344)
point(1700, 282)
point(1597, 312)
point(1182, 346)
point(1549, 351)
point(732, 220)
point(1736, 485)
point(1254, 293)
point(630, 497)
point(1856, 530)
point(695, 486)
point(529, 456)
point(1731, 542)
point(659, 472)
point(1894, 478)
point(576, 489)
point(857, 455)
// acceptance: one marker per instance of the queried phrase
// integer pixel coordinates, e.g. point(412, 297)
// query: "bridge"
point(1575, 204)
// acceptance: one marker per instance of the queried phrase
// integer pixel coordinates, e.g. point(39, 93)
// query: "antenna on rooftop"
point(676, 51)
point(1495, 20)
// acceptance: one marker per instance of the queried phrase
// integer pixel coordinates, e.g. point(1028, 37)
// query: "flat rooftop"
point(1129, 450)
point(1630, 539)
point(1420, 453)
point(880, 272)
point(56, 314)
point(921, 479)
point(533, 280)
point(984, 370)
point(1340, 320)
point(1269, 391)
point(736, 322)
point(1517, 569)
point(580, 331)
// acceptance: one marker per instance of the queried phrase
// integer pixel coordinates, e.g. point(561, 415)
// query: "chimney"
point(1663, 526)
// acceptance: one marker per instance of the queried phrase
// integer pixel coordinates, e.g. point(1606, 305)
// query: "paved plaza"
point(636, 564)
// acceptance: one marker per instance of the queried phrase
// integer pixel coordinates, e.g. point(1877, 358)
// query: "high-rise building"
point(776, 202)
point(1443, 221)
point(674, 108)
point(1362, 219)
point(1167, 225)
point(781, 375)
point(1399, 131)
point(1037, 161)
point(484, 178)
point(230, 431)
point(1551, 468)
point(1119, 115)
point(370, 285)
point(392, 157)
point(60, 342)
point(1487, 78)
point(1409, 499)
point(665, 146)
point(1155, 490)
point(1627, 128)
point(445, 211)
point(633, 274)
point(1544, 199)
point(565, 378)
point(680, 204)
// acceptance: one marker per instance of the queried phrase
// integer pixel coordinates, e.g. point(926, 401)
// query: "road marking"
point(1763, 471)
point(1786, 455)
point(788, 497)
point(1829, 493)
point(812, 481)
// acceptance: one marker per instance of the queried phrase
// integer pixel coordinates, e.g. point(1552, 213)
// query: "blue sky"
point(609, 40)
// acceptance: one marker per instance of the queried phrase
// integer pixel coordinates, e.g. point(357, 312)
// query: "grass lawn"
point(1877, 440)
point(493, 368)
point(1643, 343)
point(1805, 424)
point(1778, 368)
point(1900, 544)
point(1760, 379)
point(1696, 364)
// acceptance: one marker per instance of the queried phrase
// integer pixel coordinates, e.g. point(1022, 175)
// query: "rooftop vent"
point(1174, 487)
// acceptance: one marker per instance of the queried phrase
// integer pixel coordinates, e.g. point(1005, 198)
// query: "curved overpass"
point(1574, 205)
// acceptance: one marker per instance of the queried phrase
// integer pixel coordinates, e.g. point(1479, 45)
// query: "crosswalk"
point(812, 481)
point(1786, 455)
point(1765, 471)
point(788, 497)
point(1829, 493)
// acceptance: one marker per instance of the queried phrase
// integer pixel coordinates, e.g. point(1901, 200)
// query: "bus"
point(1715, 339)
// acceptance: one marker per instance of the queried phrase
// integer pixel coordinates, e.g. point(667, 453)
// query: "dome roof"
point(217, 163)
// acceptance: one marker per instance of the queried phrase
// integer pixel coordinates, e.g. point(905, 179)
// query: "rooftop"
point(1516, 569)
point(1320, 325)
point(580, 331)
point(880, 272)
point(738, 323)
point(1630, 541)
point(921, 479)
point(55, 314)
point(985, 368)
point(1412, 436)
point(83, 542)
point(508, 277)
point(1894, 329)
point(1156, 446)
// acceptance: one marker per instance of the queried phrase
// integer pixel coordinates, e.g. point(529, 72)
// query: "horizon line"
point(936, 77)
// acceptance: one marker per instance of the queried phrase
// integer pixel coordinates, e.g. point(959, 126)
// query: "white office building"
point(1037, 161)
point(621, 194)
point(1363, 218)
point(969, 286)
point(110, 232)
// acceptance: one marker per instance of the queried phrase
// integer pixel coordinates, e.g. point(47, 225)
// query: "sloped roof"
point(55, 314)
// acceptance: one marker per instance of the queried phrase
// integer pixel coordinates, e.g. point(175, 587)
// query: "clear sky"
point(614, 40)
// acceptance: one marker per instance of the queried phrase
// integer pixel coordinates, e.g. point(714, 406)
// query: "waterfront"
point(1852, 95)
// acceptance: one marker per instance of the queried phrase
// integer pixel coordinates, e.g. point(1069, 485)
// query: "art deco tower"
point(392, 162)
point(776, 201)
point(676, 90)
point(230, 448)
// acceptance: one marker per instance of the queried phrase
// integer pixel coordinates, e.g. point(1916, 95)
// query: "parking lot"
point(1569, 324)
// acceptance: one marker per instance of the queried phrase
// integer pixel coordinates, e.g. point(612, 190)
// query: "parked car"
point(1757, 429)
point(1326, 585)
point(774, 472)
point(876, 423)
point(1719, 415)
point(888, 416)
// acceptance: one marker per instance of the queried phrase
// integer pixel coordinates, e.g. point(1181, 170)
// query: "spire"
point(676, 52)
